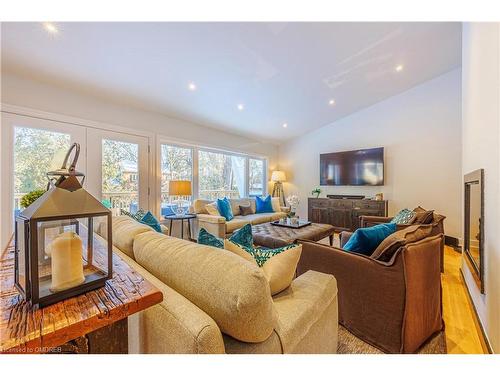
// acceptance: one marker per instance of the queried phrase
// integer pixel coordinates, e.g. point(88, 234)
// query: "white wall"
point(420, 131)
point(481, 149)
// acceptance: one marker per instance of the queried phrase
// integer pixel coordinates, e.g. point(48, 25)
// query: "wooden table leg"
point(182, 228)
point(331, 239)
point(170, 229)
point(189, 229)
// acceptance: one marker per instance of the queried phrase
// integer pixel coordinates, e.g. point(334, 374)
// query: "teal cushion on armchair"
point(365, 240)
point(150, 220)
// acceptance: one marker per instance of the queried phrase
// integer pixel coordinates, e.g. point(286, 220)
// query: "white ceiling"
point(281, 72)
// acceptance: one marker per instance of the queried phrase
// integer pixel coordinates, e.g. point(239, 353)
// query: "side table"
point(172, 218)
point(93, 322)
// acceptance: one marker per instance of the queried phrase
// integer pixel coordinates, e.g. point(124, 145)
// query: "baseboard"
point(485, 342)
point(453, 242)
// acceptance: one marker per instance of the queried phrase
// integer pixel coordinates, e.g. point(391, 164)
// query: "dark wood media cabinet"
point(343, 214)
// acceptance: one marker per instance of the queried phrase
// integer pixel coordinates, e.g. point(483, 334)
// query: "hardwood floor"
point(463, 334)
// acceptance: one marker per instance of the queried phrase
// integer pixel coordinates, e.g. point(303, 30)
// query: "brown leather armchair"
point(437, 226)
point(394, 305)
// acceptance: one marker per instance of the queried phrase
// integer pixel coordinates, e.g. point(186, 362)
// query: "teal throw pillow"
point(224, 207)
point(243, 236)
point(150, 220)
point(206, 238)
point(405, 216)
point(263, 205)
point(365, 240)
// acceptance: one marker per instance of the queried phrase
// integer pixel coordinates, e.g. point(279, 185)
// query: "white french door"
point(30, 147)
point(119, 169)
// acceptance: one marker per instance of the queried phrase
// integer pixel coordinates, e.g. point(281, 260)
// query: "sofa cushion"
point(125, 229)
point(236, 223)
point(259, 218)
point(237, 202)
point(386, 249)
point(233, 291)
point(422, 216)
point(365, 240)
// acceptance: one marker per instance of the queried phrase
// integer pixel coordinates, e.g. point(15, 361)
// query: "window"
point(36, 152)
point(120, 182)
point(220, 175)
point(176, 164)
point(256, 176)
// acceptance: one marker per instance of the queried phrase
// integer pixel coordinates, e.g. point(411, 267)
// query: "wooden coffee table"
point(93, 322)
point(273, 236)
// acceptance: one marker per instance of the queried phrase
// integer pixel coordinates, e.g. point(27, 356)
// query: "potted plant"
point(32, 196)
point(316, 192)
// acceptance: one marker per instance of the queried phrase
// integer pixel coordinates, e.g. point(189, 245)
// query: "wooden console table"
point(94, 322)
point(343, 214)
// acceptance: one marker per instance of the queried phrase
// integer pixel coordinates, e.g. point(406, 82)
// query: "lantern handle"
point(72, 166)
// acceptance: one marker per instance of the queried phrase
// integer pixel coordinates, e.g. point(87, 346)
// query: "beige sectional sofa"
point(218, 226)
point(217, 302)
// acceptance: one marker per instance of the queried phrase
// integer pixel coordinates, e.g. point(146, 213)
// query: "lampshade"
point(179, 187)
point(278, 176)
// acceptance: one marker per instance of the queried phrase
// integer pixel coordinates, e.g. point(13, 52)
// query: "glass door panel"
point(30, 148)
point(119, 165)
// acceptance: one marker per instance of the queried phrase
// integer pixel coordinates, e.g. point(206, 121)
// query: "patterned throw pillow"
point(137, 216)
point(206, 238)
point(242, 236)
point(278, 265)
point(405, 216)
point(212, 209)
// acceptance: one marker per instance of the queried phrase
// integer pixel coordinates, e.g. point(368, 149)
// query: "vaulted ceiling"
point(246, 78)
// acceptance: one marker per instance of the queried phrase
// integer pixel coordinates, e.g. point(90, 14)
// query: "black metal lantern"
point(63, 240)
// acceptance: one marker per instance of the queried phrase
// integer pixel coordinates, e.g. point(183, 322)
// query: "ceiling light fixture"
point(399, 68)
point(192, 86)
point(241, 107)
point(331, 102)
point(50, 27)
point(285, 125)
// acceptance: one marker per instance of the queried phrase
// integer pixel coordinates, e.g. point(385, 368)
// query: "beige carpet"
point(350, 344)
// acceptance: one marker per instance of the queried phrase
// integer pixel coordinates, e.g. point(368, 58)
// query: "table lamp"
point(278, 177)
point(180, 189)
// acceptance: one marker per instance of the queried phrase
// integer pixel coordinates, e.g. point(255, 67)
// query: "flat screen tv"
point(353, 168)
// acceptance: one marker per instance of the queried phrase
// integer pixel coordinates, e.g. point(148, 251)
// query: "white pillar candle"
point(67, 264)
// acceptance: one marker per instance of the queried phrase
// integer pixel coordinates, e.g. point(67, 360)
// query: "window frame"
point(195, 149)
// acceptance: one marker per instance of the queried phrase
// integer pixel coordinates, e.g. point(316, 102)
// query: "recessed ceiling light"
point(399, 68)
point(192, 86)
point(285, 125)
point(50, 27)
point(331, 102)
point(241, 107)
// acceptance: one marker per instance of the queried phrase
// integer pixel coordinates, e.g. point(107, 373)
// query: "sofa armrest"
point(369, 221)
point(175, 325)
point(308, 314)
point(215, 219)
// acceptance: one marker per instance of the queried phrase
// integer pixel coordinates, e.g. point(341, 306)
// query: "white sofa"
point(220, 227)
